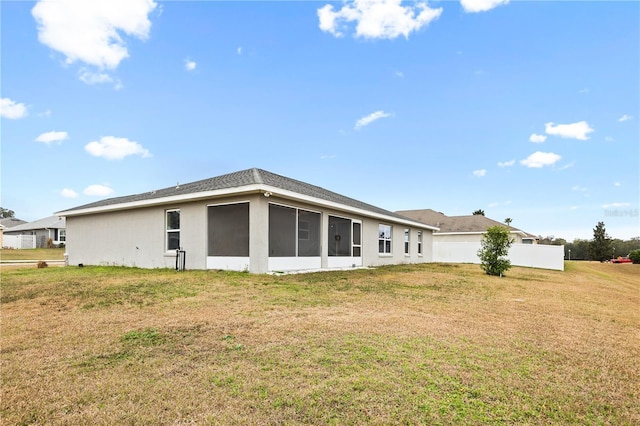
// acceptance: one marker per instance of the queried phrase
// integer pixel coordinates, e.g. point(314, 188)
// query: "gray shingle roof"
point(237, 180)
point(45, 223)
point(10, 222)
point(470, 223)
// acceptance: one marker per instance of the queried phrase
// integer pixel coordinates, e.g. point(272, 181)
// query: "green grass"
point(32, 254)
point(427, 344)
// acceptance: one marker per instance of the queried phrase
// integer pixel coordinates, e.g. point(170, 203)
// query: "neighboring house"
point(458, 240)
point(250, 220)
point(50, 228)
point(6, 223)
point(464, 228)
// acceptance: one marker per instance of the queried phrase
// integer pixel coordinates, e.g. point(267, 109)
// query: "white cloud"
point(90, 31)
point(91, 77)
point(578, 130)
point(113, 148)
point(69, 193)
point(97, 190)
point(53, 136)
point(608, 139)
point(617, 184)
point(239, 50)
point(567, 166)
point(399, 74)
point(613, 205)
point(537, 138)
point(578, 188)
point(584, 90)
point(540, 159)
point(12, 109)
point(365, 121)
point(190, 65)
point(481, 5)
point(46, 113)
point(385, 19)
point(479, 173)
point(625, 117)
point(506, 163)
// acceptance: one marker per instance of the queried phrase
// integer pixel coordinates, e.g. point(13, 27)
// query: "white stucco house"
point(46, 230)
point(250, 220)
point(458, 239)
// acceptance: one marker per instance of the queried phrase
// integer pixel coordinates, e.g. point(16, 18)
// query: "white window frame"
point(62, 235)
point(419, 243)
point(407, 241)
point(167, 231)
point(383, 237)
point(353, 244)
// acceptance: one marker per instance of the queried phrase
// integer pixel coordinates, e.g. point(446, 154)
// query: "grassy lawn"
point(32, 254)
point(425, 344)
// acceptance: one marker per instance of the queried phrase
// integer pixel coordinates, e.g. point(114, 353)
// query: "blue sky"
point(527, 110)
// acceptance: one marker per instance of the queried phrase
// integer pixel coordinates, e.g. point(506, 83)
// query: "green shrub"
point(635, 256)
point(494, 249)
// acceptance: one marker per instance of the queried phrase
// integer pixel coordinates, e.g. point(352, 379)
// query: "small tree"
point(478, 212)
point(4, 213)
point(635, 256)
point(508, 221)
point(600, 247)
point(495, 247)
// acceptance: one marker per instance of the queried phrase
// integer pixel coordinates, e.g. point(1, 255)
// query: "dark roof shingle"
point(237, 180)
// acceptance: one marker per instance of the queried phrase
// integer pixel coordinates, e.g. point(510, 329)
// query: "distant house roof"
point(245, 181)
point(50, 222)
point(10, 222)
point(457, 224)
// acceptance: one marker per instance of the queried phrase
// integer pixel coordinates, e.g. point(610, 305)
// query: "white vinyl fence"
point(531, 255)
point(19, 241)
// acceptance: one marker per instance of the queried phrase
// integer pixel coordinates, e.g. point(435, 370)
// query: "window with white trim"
point(406, 241)
point(384, 239)
point(173, 229)
point(62, 235)
point(419, 243)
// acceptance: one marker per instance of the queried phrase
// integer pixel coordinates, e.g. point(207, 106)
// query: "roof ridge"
point(257, 175)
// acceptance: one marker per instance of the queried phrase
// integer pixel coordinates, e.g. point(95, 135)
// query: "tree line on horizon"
point(601, 247)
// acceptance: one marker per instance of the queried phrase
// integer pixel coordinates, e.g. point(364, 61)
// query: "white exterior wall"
point(530, 255)
point(137, 237)
point(123, 238)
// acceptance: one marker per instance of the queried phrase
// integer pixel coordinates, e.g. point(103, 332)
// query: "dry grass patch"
point(423, 344)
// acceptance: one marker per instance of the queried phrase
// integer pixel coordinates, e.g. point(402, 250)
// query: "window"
point(62, 235)
point(339, 236)
point(357, 239)
point(384, 239)
point(420, 243)
point(293, 232)
point(173, 229)
point(229, 230)
point(406, 241)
